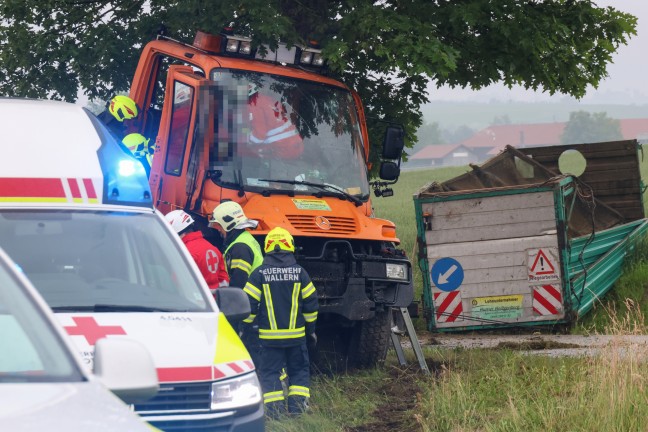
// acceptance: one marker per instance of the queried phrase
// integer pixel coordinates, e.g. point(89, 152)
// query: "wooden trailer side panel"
point(505, 248)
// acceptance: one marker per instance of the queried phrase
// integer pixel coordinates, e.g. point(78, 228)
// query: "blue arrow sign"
point(447, 274)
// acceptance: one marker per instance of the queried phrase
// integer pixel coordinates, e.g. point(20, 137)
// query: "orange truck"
point(267, 129)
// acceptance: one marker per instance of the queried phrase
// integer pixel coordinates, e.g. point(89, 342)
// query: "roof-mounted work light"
point(310, 55)
point(238, 45)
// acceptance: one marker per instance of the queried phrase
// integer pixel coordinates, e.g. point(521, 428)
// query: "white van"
point(76, 215)
point(42, 383)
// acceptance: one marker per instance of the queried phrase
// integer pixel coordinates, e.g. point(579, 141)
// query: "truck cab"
point(267, 129)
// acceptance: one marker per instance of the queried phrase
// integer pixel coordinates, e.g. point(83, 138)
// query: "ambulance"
point(76, 215)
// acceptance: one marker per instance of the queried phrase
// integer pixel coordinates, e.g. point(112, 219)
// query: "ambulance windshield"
point(101, 261)
point(270, 127)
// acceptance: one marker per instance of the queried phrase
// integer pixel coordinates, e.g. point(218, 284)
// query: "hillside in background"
point(451, 115)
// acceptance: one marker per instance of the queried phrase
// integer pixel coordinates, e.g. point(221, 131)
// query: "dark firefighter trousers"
point(295, 360)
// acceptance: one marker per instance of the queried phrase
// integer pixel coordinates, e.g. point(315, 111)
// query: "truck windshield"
point(270, 127)
point(101, 261)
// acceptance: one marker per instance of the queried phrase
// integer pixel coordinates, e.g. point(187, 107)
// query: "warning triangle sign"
point(542, 265)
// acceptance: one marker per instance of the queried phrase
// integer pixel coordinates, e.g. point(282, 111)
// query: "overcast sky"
point(627, 81)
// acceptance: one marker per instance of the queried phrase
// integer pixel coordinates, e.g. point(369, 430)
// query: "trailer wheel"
point(370, 341)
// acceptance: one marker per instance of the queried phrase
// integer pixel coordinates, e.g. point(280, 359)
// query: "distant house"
point(491, 140)
point(442, 155)
point(635, 129)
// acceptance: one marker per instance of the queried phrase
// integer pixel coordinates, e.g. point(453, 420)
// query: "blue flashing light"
point(125, 178)
point(127, 168)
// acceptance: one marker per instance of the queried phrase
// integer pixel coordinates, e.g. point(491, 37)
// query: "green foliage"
point(388, 51)
point(584, 127)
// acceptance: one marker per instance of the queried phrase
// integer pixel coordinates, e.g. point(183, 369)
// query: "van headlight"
point(396, 271)
point(236, 392)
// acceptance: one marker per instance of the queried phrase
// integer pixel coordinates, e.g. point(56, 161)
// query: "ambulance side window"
point(180, 121)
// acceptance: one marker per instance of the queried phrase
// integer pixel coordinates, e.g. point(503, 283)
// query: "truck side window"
point(180, 121)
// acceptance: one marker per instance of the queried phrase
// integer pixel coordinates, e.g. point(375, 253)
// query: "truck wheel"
point(370, 341)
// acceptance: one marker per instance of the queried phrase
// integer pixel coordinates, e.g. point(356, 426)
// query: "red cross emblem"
point(88, 328)
point(211, 259)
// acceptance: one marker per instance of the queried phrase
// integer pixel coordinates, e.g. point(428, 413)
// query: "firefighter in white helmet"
point(284, 304)
point(207, 256)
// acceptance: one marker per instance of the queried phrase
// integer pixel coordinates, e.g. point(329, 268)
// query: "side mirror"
point(126, 368)
point(393, 142)
point(389, 171)
point(233, 302)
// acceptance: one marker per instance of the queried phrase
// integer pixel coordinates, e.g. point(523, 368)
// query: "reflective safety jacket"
point(208, 258)
point(273, 133)
point(283, 301)
point(242, 255)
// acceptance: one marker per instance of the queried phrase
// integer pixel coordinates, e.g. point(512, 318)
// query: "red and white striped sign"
point(234, 368)
point(448, 306)
point(547, 300)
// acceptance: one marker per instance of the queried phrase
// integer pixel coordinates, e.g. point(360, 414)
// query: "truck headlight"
point(397, 271)
point(236, 392)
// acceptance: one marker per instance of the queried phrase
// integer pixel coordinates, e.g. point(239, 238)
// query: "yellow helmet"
point(123, 108)
point(279, 238)
point(138, 145)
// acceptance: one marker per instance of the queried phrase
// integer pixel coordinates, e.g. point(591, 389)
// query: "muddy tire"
point(370, 341)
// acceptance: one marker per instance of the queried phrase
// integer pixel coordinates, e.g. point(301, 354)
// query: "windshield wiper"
point(111, 308)
point(324, 187)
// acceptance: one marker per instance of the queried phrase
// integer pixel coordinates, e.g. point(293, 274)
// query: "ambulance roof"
point(49, 145)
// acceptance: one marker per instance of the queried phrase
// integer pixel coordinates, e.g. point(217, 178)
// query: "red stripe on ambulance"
point(180, 374)
point(547, 300)
point(31, 188)
point(89, 187)
point(448, 306)
point(47, 190)
point(74, 188)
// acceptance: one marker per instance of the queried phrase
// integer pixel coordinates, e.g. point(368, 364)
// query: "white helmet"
point(228, 215)
point(179, 220)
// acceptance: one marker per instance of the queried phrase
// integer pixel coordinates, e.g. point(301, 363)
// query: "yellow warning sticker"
point(497, 307)
point(311, 204)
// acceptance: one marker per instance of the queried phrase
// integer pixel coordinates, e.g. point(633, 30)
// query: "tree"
point(584, 127)
point(387, 50)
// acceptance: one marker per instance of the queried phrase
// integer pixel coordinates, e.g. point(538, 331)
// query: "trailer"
point(515, 242)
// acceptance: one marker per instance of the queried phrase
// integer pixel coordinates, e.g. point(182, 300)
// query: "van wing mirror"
point(233, 302)
point(393, 142)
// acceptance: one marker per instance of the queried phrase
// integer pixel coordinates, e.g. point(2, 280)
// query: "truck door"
point(180, 144)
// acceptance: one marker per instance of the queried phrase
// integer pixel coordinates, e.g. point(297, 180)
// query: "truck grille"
point(178, 397)
point(338, 225)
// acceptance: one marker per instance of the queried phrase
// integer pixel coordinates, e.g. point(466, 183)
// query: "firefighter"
point(272, 132)
point(121, 111)
point(208, 258)
point(141, 148)
point(242, 255)
point(284, 304)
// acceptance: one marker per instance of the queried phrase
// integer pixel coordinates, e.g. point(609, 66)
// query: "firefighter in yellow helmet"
point(284, 304)
point(141, 148)
point(121, 112)
point(242, 254)
point(123, 108)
